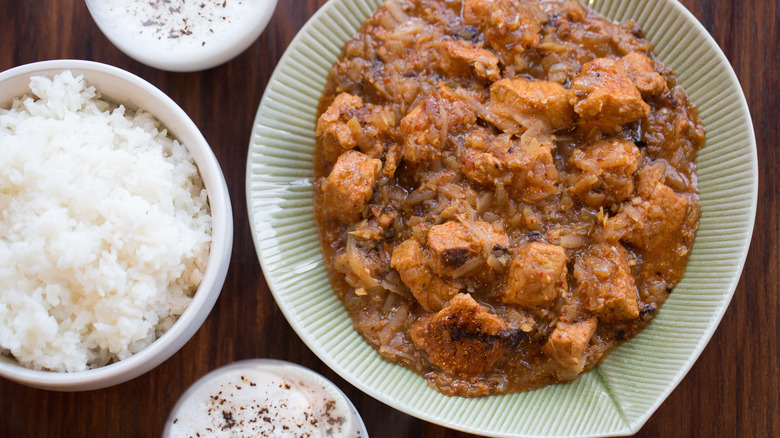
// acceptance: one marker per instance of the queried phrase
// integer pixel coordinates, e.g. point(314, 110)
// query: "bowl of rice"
point(115, 226)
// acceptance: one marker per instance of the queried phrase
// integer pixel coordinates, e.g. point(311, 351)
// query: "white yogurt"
point(264, 398)
point(182, 35)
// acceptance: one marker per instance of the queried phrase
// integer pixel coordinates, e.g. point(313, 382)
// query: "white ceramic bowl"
point(618, 396)
point(247, 388)
point(125, 88)
point(153, 33)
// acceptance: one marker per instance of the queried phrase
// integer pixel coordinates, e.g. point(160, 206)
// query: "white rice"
point(104, 228)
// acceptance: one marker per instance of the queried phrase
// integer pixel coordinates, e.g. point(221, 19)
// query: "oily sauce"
point(505, 190)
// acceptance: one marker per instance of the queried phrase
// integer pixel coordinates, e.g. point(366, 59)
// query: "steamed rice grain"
point(104, 228)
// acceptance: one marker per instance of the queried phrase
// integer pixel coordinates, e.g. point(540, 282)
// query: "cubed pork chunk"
point(332, 124)
point(537, 275)
point(464, 339)
point(482, 167)
point(661, 212)
point(430, 290)
point(485, 158)
point(641, 70)
point(557, 13)
point(510, 27)
point(458, 250)
point(348, 188)
point(604, 172)
point(539, 180)
point(425, 129)
point(349, 123)
point(655, 217)
point(525, 166)
point(462, 58)
point(568, 343)
point(540, 106)
point(604, 95)
point(604, 283)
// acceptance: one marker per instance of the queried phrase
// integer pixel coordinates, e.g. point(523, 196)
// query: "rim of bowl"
point(214, 276)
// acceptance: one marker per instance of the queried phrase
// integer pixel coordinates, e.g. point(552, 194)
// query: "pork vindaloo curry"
point(505, 190)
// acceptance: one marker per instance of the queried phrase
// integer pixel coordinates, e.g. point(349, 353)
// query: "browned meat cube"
point(349, 187)
point(641, 70)
point(537, 275)
point(348, 123)
point(539, 180)
point(464, 339)
point(484, 157)
point(661, 213)
point(426, 128)
point(540, 106)
point(568, 342)
point(525, 165)
point(604, 172)
point(604, 95)
point(481, 167)
point(454, 248)
point(509, 26)
point(421, 143)
point(462, 58)
point(430, 290)
point(604, 282)
point(333, 122)
point(562, 12)
point(450, 247)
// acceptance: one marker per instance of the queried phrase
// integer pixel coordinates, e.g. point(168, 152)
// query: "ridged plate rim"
point(600, 403)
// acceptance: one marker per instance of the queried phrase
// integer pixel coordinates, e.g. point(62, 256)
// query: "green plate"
point(617, 397)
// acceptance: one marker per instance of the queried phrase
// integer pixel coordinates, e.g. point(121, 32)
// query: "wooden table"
point(732, 390)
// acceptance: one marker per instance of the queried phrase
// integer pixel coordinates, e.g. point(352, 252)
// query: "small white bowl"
point(230, 400)
point(157, 34)
point(124, 88)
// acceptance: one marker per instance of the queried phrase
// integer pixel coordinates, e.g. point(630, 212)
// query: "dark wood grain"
point(732, 390)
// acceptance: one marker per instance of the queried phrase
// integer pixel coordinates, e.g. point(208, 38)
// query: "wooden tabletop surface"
point(732, 390)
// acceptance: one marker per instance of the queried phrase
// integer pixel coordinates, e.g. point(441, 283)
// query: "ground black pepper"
point(174, 20)
point(235, 408)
